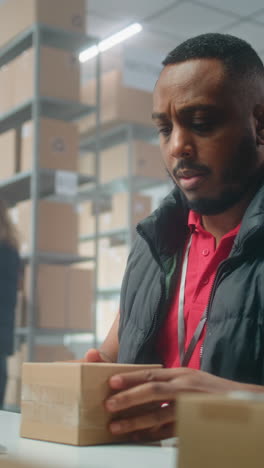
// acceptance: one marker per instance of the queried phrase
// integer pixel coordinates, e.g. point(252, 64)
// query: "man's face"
point(207, 134)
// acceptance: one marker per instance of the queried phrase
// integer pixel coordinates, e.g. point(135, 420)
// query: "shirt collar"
point(195, 224)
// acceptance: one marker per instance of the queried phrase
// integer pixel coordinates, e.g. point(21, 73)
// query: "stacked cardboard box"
point(59, 78)
point(7, 86)
point(17, 16)
point(64, 297)
point(57, 228)
point(118, 103)
point(146, 162)
point(58, 145)
point(59, 75)
point(9, 154)
point(117, 216)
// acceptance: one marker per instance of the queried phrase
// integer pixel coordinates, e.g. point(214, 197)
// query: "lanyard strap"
point(186, 356)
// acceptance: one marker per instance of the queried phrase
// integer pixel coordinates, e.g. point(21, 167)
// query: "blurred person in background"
point(9, 277)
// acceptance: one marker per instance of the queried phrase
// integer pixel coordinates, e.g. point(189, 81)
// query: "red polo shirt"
point(203, 262)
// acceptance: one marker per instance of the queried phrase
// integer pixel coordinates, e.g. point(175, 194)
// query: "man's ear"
point(259, 118)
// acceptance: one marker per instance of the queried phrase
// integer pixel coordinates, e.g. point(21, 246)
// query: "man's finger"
point(128, 380)
point(155, 419)
point(140, 395)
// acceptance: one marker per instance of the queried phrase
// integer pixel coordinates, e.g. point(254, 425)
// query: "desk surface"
point(66, 456)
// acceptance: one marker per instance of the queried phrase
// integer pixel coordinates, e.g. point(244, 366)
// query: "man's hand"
point(157, 389)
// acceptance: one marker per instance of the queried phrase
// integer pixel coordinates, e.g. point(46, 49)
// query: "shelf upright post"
point(34, 194)
point(130, 188)
point(97, 190)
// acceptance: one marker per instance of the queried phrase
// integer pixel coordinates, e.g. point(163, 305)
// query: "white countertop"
point(67, 456)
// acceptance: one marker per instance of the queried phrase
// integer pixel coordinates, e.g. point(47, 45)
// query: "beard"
point(239, 179)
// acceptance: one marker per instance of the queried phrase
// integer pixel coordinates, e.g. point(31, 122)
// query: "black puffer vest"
point(234, 342)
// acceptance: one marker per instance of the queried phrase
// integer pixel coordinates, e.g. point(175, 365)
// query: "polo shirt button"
point(205, 252)
point(206, 281)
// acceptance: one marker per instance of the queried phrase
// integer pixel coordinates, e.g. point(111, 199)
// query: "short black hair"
point(238, 57)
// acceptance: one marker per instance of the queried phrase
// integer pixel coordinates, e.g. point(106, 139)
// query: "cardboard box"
point(9, 154)
point(58, 145)
point(86, 219)
point(115, 214)
point(52, 353)
point(86, 164)
point(220, 431)
point(7, 84)
point(59, 75)
point(57, 227)
point(79, 306)
point(17, 16)
point(146, 162)
point(64, 402)
point(64, 297)
point(141, 208)
point(118, 103)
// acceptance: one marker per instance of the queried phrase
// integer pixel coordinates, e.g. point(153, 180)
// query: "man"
point(192, 295)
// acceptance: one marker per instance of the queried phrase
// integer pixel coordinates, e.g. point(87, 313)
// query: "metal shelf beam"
point(18, 188)
point(49, 107)
point(55, 258)
point(117, 134)
point(23, 331)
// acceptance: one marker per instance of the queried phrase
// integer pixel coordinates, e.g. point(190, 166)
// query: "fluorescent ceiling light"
point(111, 41)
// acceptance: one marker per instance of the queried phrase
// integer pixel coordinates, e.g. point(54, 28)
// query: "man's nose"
point(180, 144)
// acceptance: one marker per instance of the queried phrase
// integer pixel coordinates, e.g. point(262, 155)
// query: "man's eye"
point(164, 131)
point(202, 126)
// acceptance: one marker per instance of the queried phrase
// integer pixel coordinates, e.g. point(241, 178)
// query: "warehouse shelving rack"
point(39, 183)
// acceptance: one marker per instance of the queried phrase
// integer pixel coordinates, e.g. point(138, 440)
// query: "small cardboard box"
point(64, 402)
point(220, 430)
point(119, 103)
point(64, 297)
point(146, 162)
point(58, 145)
point(17, 16)
point(141, 208)
point(7, 84)
point(9, 150)
point(57, 227)
point(59, 75)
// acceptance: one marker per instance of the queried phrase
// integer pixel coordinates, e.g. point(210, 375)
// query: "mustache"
point(189, 165)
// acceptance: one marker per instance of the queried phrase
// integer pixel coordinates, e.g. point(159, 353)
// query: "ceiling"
point(166, 23)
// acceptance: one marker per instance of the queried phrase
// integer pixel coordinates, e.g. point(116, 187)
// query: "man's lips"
point(190, 180)
point(188, 174)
